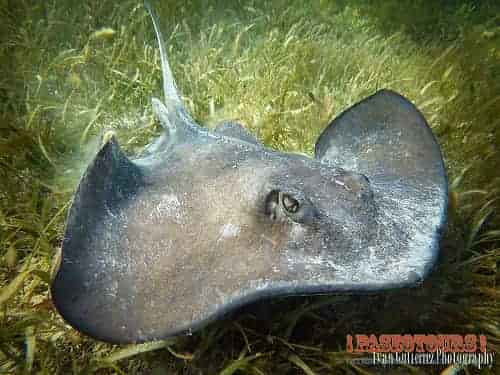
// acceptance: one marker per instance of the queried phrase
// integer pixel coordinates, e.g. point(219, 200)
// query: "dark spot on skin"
point(272, 204)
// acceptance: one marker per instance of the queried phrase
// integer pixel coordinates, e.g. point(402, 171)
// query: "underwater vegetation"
point(73, 70)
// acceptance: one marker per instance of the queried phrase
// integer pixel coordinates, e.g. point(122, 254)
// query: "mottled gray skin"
point(202, 222)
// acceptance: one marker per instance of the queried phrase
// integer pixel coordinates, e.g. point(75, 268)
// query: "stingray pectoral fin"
point(84, 288)
point(383, 136)
point(387, 139)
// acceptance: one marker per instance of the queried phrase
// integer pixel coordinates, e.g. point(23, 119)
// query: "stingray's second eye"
point(290, 203)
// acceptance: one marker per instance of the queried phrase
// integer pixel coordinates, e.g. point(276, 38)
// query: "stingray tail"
point(171, 112)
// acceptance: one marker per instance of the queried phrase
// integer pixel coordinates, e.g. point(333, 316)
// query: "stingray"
point(205, 221)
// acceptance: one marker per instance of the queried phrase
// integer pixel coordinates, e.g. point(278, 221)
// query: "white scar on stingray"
point(229, 230)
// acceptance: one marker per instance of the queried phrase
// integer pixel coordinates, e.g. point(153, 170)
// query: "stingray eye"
point(290, 203)
point(294, 206)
